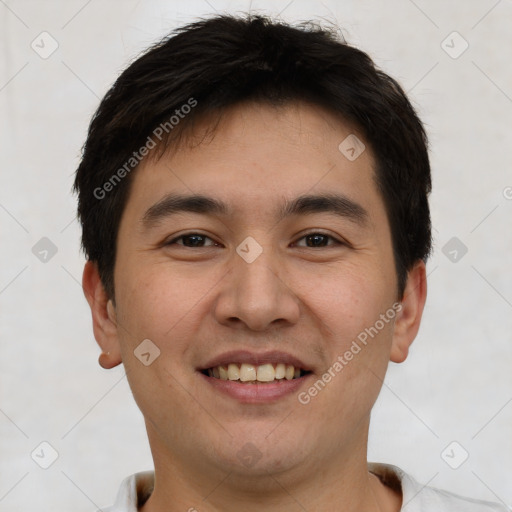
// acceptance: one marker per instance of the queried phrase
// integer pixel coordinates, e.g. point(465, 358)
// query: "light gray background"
point(456, 384)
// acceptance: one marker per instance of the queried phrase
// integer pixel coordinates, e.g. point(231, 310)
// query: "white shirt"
point(415, 497)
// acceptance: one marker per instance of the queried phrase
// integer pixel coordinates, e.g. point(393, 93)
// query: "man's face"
point(320, 280)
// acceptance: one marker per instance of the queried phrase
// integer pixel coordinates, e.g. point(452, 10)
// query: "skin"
point(195, 303)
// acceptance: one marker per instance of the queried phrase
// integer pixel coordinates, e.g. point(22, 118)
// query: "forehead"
point(294, 125)
point(252, 153)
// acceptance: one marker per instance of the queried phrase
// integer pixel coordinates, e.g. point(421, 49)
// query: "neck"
point(340, 483)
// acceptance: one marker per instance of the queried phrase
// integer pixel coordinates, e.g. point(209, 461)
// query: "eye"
point(318, 240)
point(313, 240)
point(191, 240)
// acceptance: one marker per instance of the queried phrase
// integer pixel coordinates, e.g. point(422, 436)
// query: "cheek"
point(356, 338)
point(155, 300)
point(156, 303)
point(347, 300)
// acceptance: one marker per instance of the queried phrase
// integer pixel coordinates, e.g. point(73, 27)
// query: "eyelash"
point(185, 235)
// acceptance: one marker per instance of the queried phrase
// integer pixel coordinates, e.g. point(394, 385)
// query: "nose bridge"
point(260, 276)
point(255, 292)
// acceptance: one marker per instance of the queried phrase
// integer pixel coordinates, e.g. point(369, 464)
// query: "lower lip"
point(256, 393)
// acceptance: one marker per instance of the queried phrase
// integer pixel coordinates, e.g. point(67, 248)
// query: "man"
point(253, 199)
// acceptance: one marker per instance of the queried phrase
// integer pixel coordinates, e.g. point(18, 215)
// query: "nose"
point(256, 295)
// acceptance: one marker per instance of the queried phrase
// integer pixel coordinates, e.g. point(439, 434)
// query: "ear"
point(407, 320)
point(103, 316)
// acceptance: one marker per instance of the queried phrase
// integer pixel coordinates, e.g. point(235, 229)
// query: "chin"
point(259, 452)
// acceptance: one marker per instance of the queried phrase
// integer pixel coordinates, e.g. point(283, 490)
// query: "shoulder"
point(420, 498)
point(134, 490)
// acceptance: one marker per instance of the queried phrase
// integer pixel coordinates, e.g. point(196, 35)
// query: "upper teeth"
point(250, 372)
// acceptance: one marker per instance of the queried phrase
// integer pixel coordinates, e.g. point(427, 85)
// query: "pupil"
point(192, 237)
point(316, 238)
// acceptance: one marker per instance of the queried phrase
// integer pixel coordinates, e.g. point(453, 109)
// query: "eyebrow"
point(336, 204)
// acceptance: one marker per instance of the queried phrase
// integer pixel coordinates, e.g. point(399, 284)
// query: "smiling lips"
point(252, 373)
point(245, 366)
point(256, 378)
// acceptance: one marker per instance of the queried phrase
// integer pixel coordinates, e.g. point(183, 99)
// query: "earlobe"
point(408, 319)
point(103, 317)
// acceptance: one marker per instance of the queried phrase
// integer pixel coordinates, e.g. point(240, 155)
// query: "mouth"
point(255, 378)
point(252, 374)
